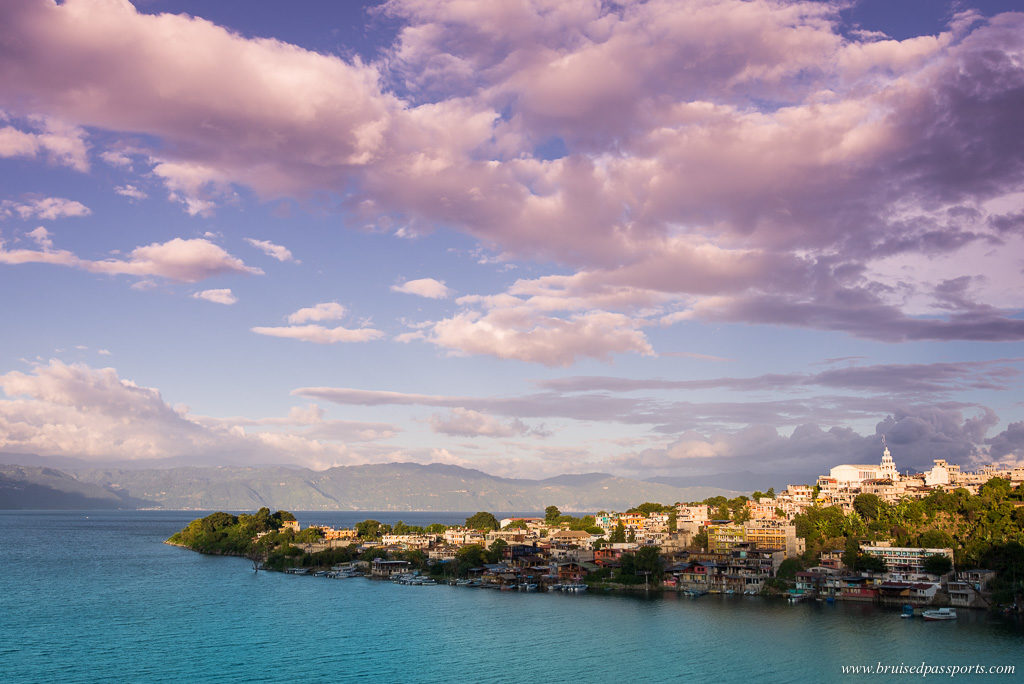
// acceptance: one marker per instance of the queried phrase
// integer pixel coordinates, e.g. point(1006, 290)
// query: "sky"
point(670, 238)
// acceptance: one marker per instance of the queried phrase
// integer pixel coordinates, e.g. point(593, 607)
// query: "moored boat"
point(940, 614)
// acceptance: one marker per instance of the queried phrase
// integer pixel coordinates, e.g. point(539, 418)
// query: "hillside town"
point(748, 545)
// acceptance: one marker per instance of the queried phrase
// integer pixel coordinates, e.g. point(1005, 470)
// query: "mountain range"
point(376, 487)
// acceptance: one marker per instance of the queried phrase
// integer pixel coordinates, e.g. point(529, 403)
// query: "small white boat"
point(940, 614)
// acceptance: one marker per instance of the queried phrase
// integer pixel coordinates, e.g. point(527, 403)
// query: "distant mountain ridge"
point(379, 487)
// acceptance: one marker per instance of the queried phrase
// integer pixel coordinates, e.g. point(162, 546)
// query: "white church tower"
point(888, 467)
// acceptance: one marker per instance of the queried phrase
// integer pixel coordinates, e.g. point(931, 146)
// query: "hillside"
point(390, 486)
point(23, 487)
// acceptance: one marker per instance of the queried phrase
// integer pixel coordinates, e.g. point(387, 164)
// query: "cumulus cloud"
point(78, 411)
point(270, 249)
point(131, 192)
point(325, 311)
point(46, 208)
point(752, 162)
point(51, 138)
point(220, 296)
point(915, 436)
point(1008, 442)
point(185, 260)
point(424, 287)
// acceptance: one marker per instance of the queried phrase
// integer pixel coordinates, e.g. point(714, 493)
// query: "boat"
point(908, 611)
point(940, 614)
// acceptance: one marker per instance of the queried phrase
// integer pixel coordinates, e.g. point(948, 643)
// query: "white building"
point(848, 475)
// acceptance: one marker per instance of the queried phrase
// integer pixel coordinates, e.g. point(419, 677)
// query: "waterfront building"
point(903, 558)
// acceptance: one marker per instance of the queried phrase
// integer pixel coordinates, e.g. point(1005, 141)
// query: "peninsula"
point(948, 547)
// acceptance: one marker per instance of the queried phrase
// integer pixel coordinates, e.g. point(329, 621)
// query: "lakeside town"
point(781, 544)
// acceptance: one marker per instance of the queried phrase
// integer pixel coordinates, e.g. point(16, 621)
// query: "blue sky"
point(654, 239)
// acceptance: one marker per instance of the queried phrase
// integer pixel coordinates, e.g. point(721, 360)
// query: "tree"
point(496, 553)
point(482, 521)
point(788, 568)
point(935, 539)
point(867, 505)
point(618, 535)
point(937, 564)
point(517, 525)
point(631, 536)
point(700, 540)
point(372, 529)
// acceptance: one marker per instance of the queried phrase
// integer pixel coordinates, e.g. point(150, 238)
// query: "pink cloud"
point(219, 296)
point(270, 249)
point(324, 311)
point(748, 161)
point(320, 334)
point(46, 208)
point(185, 260)
point(424, 287)
point(92, 413)
point(60, 143)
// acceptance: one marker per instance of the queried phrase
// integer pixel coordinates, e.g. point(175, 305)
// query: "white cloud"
point(78, 411)
point(47, 208)
point(131, 192)
point(222, 296)
point(60, 143)
point(270, 249)
point(424, 287)
point(320, 334)
point(186, 260)
point(325, 311)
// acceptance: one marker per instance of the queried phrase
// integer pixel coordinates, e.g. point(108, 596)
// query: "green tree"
point(618, 535)
point(482, 521)
point(700, 540)
point(934, 539)
point(517, 525)
point(496, 553)
point(551, 514)
point(867, 505)
point(788, 568)
point(372, 529)
point(937, 564)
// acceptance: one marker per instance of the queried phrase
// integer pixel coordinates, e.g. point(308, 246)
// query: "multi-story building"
point(904, 559)
point(774, 535)
point(633, 521)
point(692, 514)
point(408, 541)
point(722, 538)
point(460, 536)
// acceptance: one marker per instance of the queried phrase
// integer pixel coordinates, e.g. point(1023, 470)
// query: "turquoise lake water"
point(96, 597)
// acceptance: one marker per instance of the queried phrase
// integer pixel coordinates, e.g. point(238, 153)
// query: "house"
point(571, 538)
point(903, 558)
point(387, 568)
